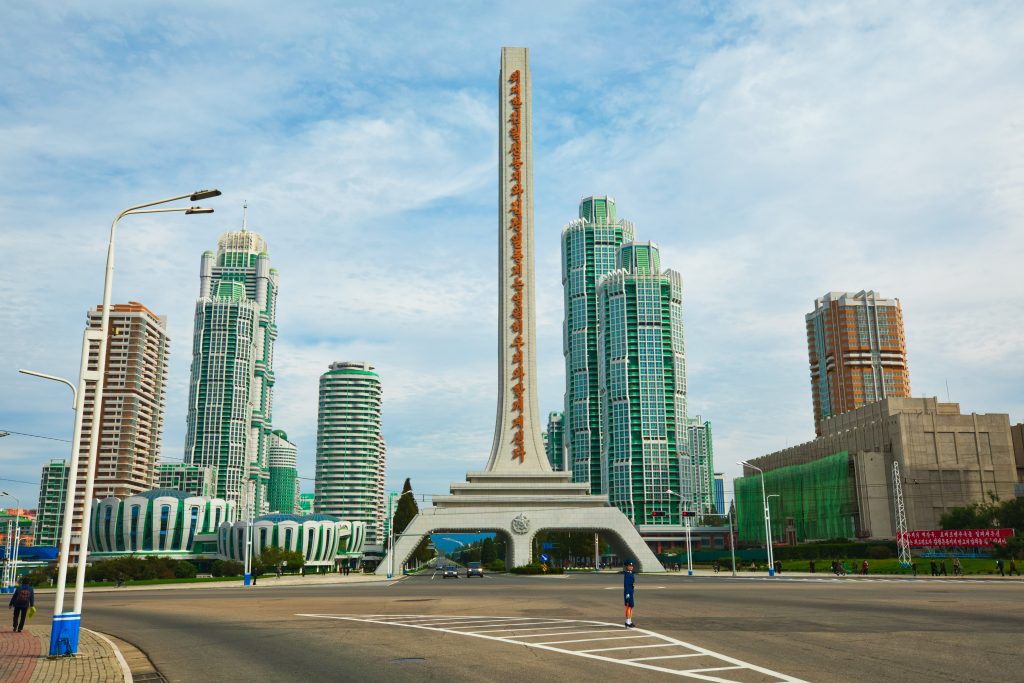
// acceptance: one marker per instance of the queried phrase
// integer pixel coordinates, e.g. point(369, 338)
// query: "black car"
point(474, 569)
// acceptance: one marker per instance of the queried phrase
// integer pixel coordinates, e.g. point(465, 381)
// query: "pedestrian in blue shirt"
point(24, 598)
point(629, 591)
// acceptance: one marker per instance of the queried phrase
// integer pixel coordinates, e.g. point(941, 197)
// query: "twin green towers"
point(625, 428)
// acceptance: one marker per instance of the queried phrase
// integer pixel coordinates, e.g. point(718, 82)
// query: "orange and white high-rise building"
point(134, 393)
point(857, 351)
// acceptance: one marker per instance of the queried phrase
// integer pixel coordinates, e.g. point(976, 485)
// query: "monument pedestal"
point(517, 507)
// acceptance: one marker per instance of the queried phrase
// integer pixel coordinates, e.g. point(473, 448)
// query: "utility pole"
point(902, 542)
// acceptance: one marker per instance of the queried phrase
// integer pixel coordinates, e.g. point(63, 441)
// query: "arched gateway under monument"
point(518, 494)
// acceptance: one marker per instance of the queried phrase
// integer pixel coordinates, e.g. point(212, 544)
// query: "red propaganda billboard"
point(956, 538)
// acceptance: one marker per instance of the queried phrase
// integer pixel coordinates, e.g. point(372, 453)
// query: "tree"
point(405, 511)
point(488, 551)
point(974, 516)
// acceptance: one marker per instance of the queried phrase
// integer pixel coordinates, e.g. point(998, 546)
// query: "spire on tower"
point(245, 216)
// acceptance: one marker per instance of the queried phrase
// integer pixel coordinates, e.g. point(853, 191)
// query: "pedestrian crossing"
point(595, 640)
point(859, 579)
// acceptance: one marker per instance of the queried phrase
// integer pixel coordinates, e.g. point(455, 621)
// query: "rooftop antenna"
point(947, 391)
point(245, 215)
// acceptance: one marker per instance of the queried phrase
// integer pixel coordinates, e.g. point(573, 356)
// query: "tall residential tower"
point(132, 415)
point(857, 352)
point(350, 453)
point(231, 390)
point(642, 379)
point(590, 245)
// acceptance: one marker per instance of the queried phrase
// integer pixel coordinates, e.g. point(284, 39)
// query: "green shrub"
point(495, 566)
point(879, 552)
point(227, 568)
point(184, 570)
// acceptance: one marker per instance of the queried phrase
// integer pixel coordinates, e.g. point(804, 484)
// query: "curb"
point(135, 662)
point(117, 654)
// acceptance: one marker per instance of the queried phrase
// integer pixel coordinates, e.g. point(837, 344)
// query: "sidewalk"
point(23, 658)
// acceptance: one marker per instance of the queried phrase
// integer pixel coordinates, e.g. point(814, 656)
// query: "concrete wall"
point(947, 459)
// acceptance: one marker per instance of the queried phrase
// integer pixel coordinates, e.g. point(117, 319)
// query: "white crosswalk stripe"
point(673, 656)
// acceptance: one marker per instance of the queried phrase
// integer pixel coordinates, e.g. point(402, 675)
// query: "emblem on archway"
point(521, 524)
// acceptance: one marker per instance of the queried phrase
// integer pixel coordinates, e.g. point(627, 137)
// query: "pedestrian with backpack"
point(24, 598)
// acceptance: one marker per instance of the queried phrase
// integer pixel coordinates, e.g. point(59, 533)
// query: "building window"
point(133, 533)
point(165, 515)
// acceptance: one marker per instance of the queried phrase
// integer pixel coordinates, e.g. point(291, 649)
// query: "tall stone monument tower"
point(518, 494)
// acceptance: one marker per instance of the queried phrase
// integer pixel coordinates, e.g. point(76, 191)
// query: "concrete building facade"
point(947, 459)
point(857, 352)
point(350, 452)
point(132, 414)
point(590, 247)
point(702, 459)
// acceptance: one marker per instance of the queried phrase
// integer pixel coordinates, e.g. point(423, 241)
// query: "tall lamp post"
point(65, 628)
point(12, 555)
point(767, 519)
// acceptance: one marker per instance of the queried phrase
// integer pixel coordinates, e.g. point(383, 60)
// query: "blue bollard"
point(64, 634)
point(771, 571)
point(247, 580)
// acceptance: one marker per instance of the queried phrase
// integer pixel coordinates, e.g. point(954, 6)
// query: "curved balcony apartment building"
point(232, 381)
point(642, 375)
point(590, 246)
point(350, 451)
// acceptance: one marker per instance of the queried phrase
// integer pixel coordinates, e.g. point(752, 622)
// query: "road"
point(813, 630)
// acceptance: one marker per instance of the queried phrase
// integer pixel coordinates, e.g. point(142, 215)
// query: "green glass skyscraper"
point(590, 246)
point(231, 389)
point(642, 379)
point(283, 490)
point(350, 453)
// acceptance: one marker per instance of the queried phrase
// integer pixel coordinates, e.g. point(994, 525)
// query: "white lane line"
point(668, 641)
point(716, 668)
point(631, 647)
point(566, 633)
point(591, 640)
point(524, 628)
point(644, 659)
point(466, 624)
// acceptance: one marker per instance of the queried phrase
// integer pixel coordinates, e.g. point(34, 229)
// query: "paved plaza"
point(568, 628)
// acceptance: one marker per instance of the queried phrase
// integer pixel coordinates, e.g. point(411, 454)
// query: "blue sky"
point(775, 151)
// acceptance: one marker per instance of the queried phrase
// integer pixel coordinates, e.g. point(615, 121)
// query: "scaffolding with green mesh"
point(820, 497)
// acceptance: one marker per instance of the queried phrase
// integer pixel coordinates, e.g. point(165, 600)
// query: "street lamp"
point(767, 519)
point(64, 633)
point(12, 555)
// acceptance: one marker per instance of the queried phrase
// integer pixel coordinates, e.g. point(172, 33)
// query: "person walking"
point(999, 566)
point(864, 568)
point(1013, 567)
point(943, 567)
point(629, 592)
point(958, 569)
point(934, 568)
point(24, 598)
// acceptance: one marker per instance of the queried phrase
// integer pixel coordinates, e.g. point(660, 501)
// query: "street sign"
point(546, 546)
point(544, 558)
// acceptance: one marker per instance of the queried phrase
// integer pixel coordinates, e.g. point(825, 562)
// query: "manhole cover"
point(409, 660)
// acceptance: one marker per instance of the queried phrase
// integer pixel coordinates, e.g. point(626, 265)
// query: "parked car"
point(450, 572)
point(474, 569)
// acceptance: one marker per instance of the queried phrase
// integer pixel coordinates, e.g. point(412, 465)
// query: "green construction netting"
point(819, 496)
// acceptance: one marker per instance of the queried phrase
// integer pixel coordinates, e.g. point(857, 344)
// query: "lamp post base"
point(771, 572)
point(247, 580)
point(64, 634)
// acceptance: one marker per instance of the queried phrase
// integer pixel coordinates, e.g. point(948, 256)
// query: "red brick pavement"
point(19, 653)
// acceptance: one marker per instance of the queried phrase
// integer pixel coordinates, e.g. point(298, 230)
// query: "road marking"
point(663, 664)
point(566, 633)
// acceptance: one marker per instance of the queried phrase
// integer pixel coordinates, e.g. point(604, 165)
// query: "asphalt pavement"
point(513, 628)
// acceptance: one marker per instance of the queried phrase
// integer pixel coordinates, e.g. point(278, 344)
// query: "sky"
point(775, 151)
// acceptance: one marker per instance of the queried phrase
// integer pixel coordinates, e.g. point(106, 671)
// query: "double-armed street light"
point(11, 565)
point(65, 628)
point(767, 519)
